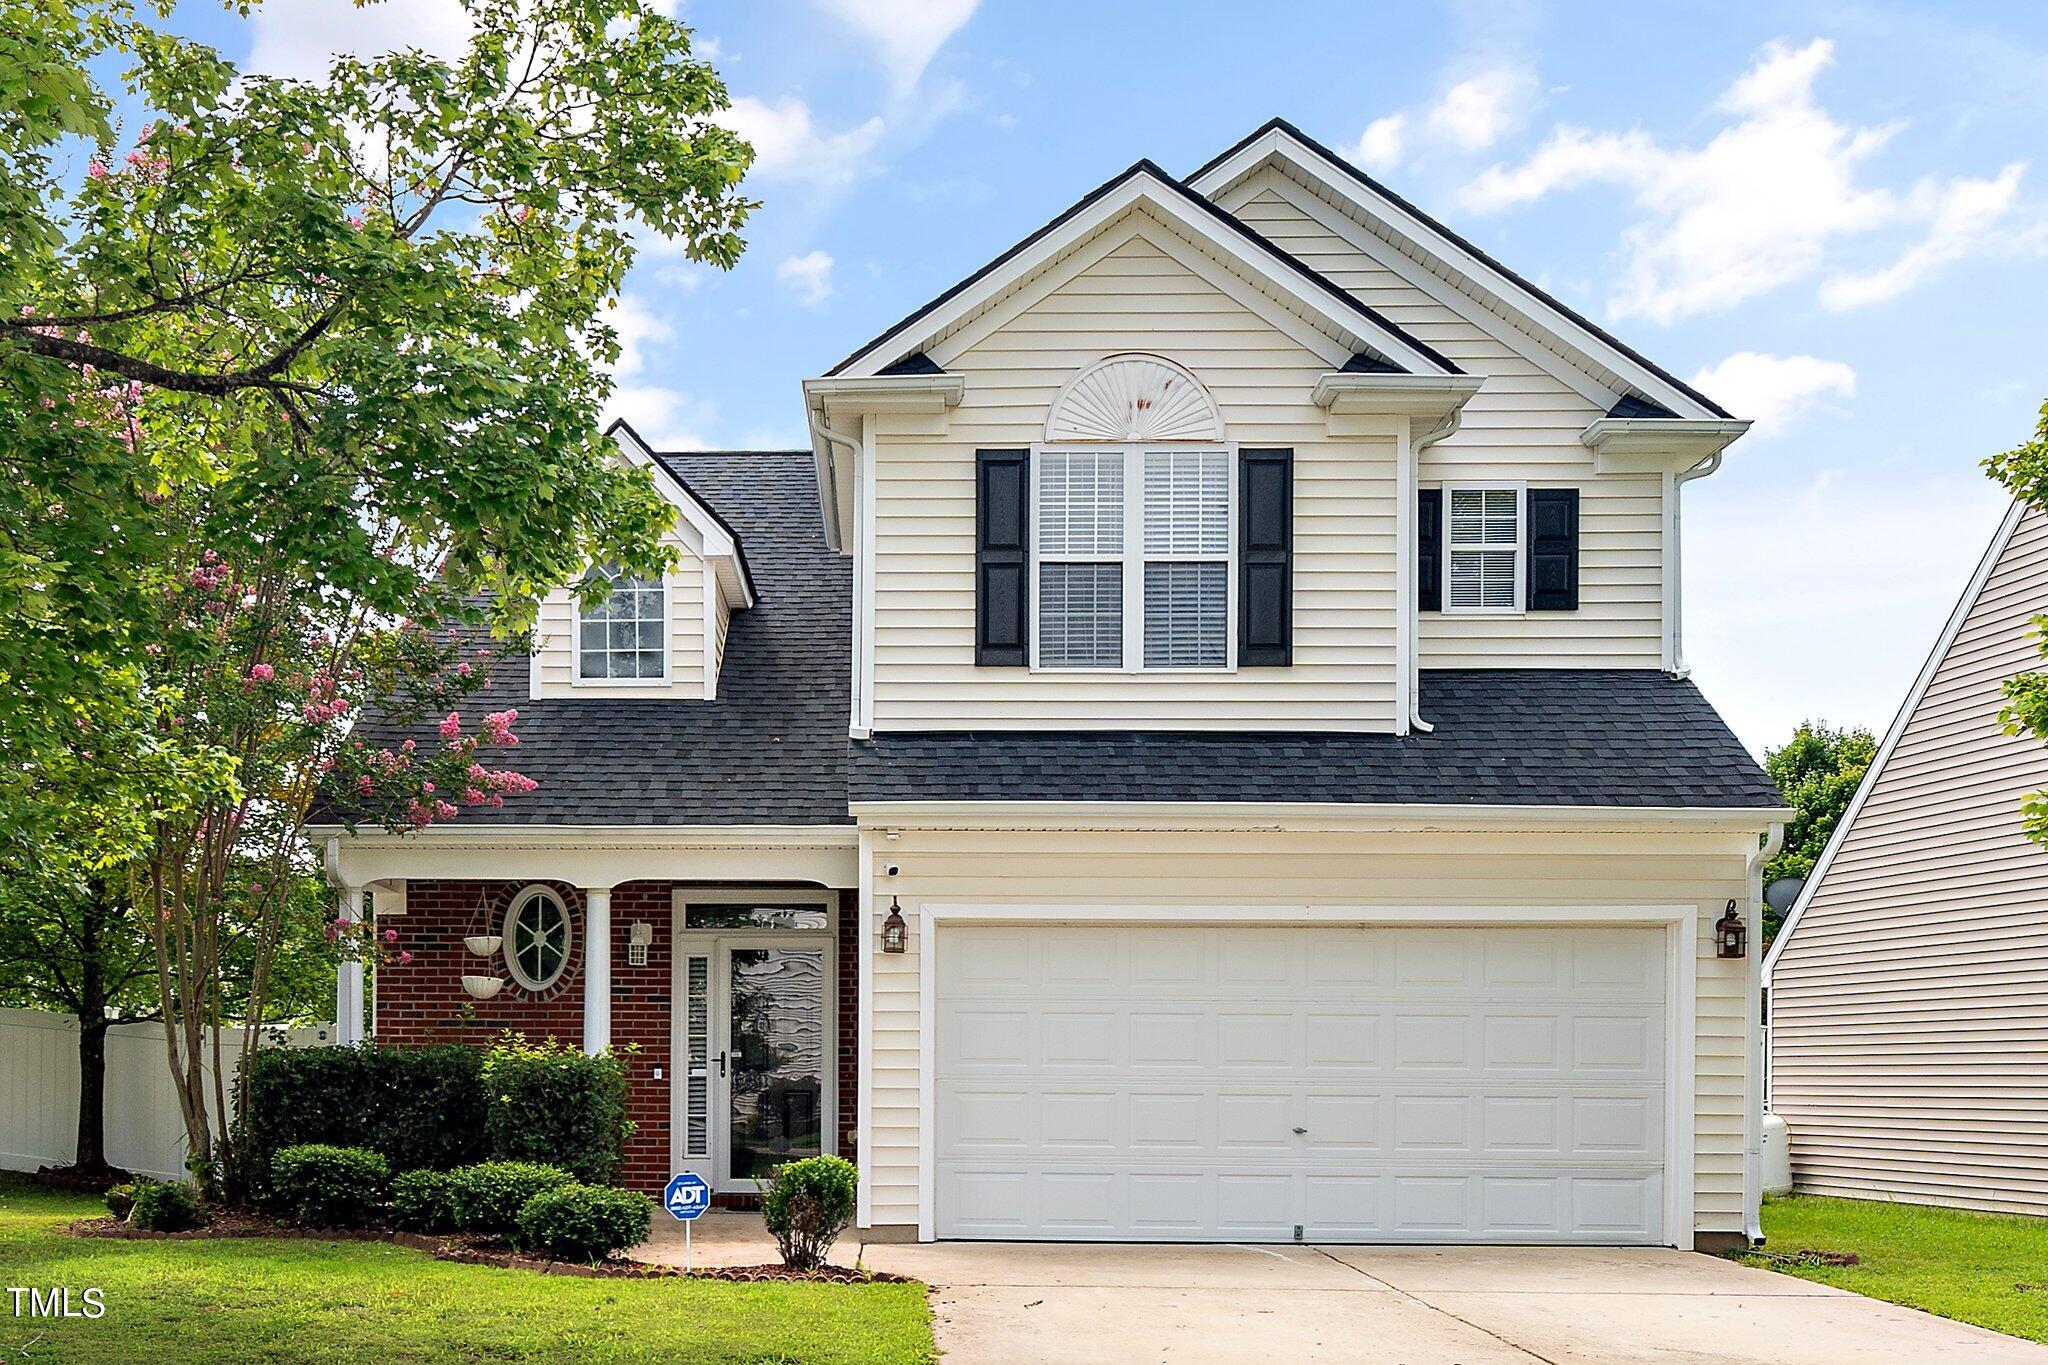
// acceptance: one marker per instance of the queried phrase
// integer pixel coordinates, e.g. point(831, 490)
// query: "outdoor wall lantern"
point(1731, 935)
point(895, 933)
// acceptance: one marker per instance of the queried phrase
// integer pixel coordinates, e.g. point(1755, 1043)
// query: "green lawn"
point(256, 1300)
point(1990, 1269)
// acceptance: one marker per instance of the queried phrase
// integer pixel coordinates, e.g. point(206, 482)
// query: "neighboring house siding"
point(555, 633)
point(1523, 426)
point(1910, 1004)
point(1142, 297)
point(1278, 870)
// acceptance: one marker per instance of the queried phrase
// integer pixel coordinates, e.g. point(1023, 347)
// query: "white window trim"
point(1521, 546)
point(668, 646)
point(518, 973)
point(1133, 557)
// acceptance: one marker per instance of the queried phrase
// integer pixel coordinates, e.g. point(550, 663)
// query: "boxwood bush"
point(807, 1204)
point(422, 1108)
point(583, 1222)
point(424, 1201)
point(323, 1186)
point(121, 1198)
point(166, 1206)
point(553, 1102)
point(489, 1196)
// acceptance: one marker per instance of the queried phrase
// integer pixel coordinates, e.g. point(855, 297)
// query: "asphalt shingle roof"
point(770, 750)
point(1539, 737)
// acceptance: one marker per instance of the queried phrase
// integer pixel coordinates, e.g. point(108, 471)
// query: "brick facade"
point(423, 1002)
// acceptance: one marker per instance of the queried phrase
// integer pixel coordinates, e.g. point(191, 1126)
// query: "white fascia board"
point(843, 394)
point(712, 540)
point(1426, 399)
point(1921, 682)
point(1286, 816)
point(1536, 313)
point(594, 855)
point(1164, 201)
point(1641, 445)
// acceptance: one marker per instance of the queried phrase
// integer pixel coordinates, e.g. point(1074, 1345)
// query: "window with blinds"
point(1483, 542)
point(1147, 528)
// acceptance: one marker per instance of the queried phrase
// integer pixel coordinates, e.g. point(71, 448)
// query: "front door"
point(753, 1037)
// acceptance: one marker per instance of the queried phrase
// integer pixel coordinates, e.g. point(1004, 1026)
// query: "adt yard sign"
point(687, 1196)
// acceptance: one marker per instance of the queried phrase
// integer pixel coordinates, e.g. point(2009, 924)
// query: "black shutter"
point(1429, 549)
point(1002, 558)
point(1265, 554)
point(1553, 549)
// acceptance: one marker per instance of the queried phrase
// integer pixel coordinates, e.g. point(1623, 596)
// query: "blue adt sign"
point(687, 1196)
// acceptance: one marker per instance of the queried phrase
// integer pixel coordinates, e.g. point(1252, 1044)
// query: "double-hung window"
point(625, 637)
point(1132, 550)
point(1483, 549)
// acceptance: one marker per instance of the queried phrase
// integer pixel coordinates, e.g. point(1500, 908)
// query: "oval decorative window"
point(537, 937)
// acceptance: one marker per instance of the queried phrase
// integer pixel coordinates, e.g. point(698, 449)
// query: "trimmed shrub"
point(422, 1108)
point(583, 1222)
point(489, 1195)
point(807, 1204)
point(552, 1102)
point(121, 1198)
point(424, 1201)
point(163, 1206)
point(329, 1187)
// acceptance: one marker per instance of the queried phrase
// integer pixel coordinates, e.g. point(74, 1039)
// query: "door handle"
point(721, 1066)
point(1301, 1132)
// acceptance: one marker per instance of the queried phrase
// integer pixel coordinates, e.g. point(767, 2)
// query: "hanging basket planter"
point(484, 945)
point(483, 987)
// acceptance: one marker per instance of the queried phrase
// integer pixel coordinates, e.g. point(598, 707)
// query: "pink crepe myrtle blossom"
point(463, 670)
point(96, 169)
point(497, 728)
point(364, 786)
point(262, 673)
point(391, 936)
point(405, 959)
point(451, 726)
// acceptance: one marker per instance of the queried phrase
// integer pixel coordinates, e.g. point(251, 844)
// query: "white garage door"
point(1233, 1083)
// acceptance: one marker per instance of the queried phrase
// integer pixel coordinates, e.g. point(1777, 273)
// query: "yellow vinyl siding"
point(1246, 869)
point(1140, 296)
point(1910, 1007)
point(554, 636)
point(1522, 426)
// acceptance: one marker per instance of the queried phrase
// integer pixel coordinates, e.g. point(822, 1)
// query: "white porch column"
point(348, 986)
point(597, 968)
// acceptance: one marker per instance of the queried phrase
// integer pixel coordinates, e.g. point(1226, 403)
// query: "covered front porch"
point(722, 969)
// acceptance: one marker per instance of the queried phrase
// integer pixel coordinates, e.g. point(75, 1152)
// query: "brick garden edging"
point(230, 1226)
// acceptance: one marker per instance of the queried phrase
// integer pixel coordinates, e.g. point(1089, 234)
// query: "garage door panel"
point(1408, 1085)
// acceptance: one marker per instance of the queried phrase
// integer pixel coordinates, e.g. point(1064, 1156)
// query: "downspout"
point(1753, 1025)
point(1447, 427)
point(828, 483)
point(1698, 471)
point(828, 486)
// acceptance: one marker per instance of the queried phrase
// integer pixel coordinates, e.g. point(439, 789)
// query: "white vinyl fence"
point(39, 1092)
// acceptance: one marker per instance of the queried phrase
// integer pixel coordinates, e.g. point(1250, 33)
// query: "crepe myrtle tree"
point(372, 297)
point(2024, 471)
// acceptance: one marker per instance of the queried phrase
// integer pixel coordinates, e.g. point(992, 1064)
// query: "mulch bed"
point(469, 1251)
point(1836, 1258)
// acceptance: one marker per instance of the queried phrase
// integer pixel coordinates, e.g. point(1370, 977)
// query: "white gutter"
point(1444, 429)
point(1677, 556)
point(1753, 1026)
point(828, 482)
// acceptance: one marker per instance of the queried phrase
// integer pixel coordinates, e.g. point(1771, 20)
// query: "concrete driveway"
point(1017, 1302)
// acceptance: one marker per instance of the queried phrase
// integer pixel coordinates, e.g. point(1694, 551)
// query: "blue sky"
point(1825, 213)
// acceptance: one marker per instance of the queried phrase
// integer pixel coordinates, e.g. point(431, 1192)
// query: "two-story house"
point(1198, 748)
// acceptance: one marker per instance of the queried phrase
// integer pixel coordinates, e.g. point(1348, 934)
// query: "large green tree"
point(1817, 771)
point(292, 372)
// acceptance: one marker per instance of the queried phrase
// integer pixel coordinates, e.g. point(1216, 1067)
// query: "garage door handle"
point(1301, 1132)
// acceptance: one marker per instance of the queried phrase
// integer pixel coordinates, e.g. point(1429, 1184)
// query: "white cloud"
point(300, 37)
point(1379, 148)
point(906, 34)
point(1473, 114)
point(1756, 208)
point(1774, 390)
point(668, 419)
point(1965, 213)
point(808, 275)
point(636, 325)
point(788, 146)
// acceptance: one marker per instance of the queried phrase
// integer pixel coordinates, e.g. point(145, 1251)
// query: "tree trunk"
point(92, 1042)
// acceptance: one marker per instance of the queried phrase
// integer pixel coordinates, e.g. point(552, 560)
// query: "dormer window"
point(624, 638)
point(1483, 542)
point(1133, 553)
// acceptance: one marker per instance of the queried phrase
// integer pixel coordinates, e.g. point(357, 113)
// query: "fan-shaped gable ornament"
point(1134, 397)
